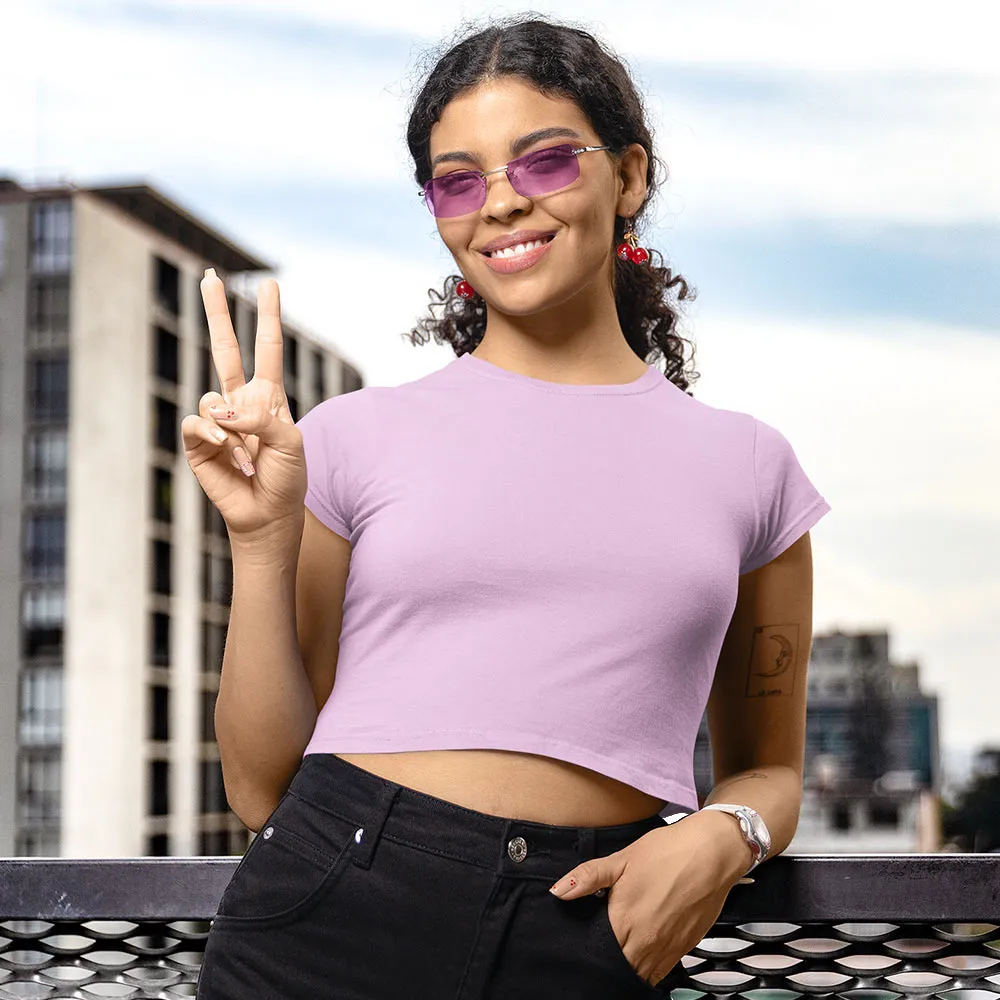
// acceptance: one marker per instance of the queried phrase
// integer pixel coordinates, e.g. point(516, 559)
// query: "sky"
point(833, 196)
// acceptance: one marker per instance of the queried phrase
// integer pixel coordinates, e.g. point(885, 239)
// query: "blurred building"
point(115, 569)
point(872, 777)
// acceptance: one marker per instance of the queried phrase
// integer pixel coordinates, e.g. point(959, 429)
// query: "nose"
point(501, 198)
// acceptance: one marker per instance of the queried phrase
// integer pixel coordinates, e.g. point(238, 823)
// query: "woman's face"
point(484, 123)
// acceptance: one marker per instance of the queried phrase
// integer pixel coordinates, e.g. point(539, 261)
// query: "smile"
point(519, 257)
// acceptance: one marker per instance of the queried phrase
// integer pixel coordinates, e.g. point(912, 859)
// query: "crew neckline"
point(650, 378)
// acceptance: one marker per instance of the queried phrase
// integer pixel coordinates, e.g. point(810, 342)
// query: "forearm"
point(266, 710)
point(775, 792)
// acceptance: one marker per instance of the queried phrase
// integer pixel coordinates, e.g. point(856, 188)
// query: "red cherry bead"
point(640, 255)
point(465, 290)
point(624, 251)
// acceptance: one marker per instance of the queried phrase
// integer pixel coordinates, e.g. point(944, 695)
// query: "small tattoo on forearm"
point(772, 667)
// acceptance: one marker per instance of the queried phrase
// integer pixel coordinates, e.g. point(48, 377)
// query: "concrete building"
point(872, 778)
point(115, 570)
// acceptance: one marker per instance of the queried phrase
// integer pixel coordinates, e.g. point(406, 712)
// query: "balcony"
point(862, 927)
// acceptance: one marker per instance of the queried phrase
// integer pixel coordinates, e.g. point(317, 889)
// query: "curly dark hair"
point(562, 61)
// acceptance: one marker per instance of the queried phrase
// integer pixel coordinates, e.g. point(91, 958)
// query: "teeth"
point(519, 248)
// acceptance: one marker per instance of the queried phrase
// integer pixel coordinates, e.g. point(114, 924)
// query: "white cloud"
point(117, 98)
point(894, 422)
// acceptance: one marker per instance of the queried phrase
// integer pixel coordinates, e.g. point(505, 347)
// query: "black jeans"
point(359, 888)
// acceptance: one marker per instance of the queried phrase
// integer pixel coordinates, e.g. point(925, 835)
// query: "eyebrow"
point(516, 147)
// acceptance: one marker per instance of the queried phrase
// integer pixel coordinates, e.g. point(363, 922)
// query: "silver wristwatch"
point(755, 831)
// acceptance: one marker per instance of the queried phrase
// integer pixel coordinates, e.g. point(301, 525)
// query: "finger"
point(256, 420)
point(198, 430)
point(269, 346)
point(225, 347)
point(209, 399)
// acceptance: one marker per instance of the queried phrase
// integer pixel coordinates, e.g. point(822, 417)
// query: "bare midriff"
point(514, 785)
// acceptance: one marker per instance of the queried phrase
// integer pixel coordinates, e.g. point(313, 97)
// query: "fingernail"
point(223, 412)
point(209, 271)
point(243, 460)
point(220, 435)
point(560, 887)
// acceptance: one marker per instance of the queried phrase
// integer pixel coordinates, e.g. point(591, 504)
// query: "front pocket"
point(618, 956)
point(284, 873)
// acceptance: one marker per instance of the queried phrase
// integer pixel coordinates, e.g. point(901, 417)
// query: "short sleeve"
point(327, 472)
point(787, 503)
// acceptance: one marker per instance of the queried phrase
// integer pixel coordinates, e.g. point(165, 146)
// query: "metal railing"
point(862, 927)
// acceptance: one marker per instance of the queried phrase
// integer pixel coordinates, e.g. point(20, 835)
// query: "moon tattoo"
point(772, 669)
point(783, 659)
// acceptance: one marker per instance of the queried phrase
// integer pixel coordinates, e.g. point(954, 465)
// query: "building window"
point(163, 488)
point(215, 523)
point(165, 430)
point(214, 843)
point(48, 388)
point(841, 816)
point(43, 613)
point(208, 700)
point(157, 846)
point(41, 706)
point(46, 472)
point(208, 378)
point(167, 355)
point(883, 813)
point(161, 566)
point(40, 788)
point(159, 712)
point(213, 646)
point(351, 378)
point(319, 379)
point(159, 788)
point(51, 244)
point(37, 844)
point(48, 305)
point(213, 790)
point(167, 286)
point(290, 353)
point(45, 546)
point(160, 639)
point(217, 578)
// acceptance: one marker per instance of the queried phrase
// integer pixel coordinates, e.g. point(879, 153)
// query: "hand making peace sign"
point(264, 501)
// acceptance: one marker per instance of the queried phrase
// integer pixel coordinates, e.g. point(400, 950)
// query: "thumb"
point(595, 875)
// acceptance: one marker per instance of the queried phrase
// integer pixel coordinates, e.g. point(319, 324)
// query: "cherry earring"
point(629, 248)
point(464, 289)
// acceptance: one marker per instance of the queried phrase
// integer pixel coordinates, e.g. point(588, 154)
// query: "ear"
point(632, 177)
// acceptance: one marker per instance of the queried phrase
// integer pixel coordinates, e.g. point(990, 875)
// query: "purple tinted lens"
point(540, 172)
point(544, 171)
point(455, 194)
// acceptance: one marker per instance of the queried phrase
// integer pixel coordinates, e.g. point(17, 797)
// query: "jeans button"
point(517, 849)
point(267, 833)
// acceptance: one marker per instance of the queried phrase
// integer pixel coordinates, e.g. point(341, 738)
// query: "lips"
point(512, 239)
point(518, 261)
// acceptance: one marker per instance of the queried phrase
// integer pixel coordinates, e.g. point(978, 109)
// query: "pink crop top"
point(542, 567)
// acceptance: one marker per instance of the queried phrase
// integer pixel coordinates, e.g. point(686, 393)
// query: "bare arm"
point(265, 712)
point(757, 705)
point(279, 664)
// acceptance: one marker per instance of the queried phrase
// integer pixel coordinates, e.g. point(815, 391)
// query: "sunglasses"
point(541, 172)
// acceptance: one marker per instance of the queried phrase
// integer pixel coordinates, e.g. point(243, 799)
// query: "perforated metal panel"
point(878, 927)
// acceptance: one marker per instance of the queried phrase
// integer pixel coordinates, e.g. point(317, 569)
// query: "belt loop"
point(361, 853)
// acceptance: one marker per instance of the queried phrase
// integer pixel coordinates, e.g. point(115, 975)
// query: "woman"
point(528, 572)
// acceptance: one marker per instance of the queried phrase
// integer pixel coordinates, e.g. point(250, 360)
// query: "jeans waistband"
point(504, 845)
